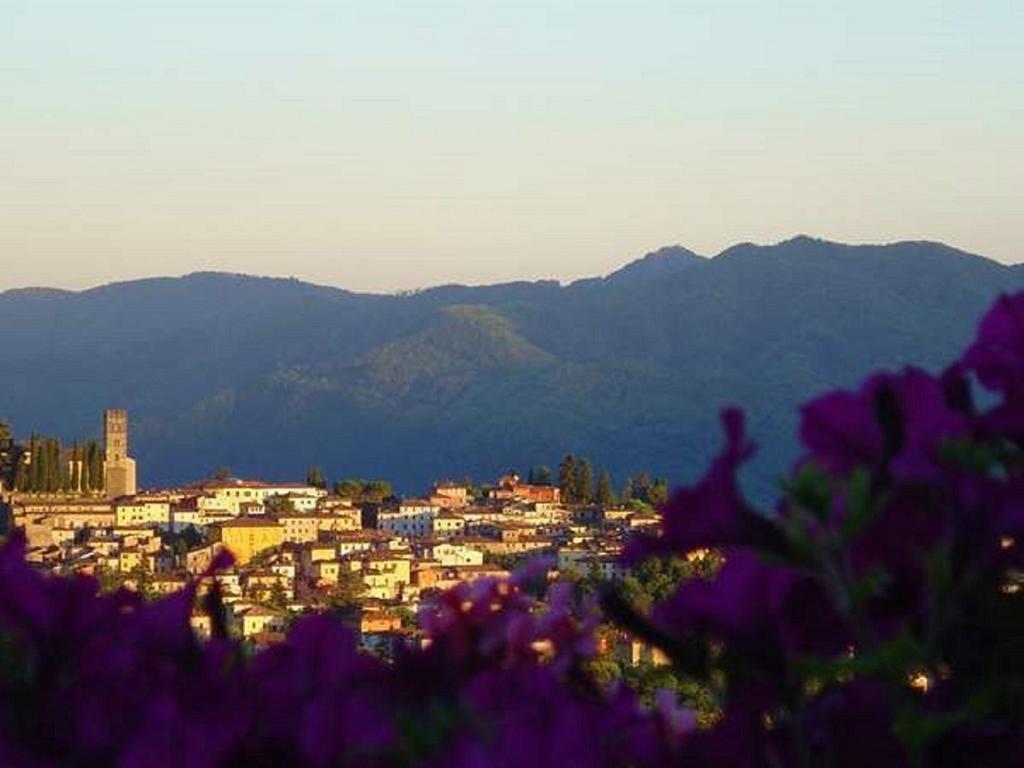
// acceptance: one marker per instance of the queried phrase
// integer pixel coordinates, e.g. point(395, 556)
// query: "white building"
point(142, 512)
point(409, 519)
point(232, 493)
point(450, 555)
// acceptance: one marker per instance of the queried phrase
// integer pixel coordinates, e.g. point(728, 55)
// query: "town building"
point(509, 488)
point(410, 518)
point(245, 537)
point(231, 494)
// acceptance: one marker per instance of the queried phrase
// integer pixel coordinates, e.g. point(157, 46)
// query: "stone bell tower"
point(118, 467)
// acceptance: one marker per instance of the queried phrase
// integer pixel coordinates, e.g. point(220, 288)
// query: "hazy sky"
point(381, 145)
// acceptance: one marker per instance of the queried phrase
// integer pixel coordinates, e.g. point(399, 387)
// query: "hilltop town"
point(356, 550)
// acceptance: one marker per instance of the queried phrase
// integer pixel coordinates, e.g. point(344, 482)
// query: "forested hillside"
point(271, 376)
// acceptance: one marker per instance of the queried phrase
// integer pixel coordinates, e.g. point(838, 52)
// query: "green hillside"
point(270, 376)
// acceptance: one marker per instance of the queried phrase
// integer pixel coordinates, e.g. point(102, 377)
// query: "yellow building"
point(254, 620)
point(247, 536)
point(327, 572)
point(299, 528)
point(138, 512)
point(128, 560)
point(385, 575)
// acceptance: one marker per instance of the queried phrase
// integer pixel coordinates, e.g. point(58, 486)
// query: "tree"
point(343, 599)
point(648, 679)
point(110, 580)
point(627, 491)
point(567, 478)
point(21, 476)
point(604, 670)
point(659, 492)
point(53, 473)
point(222, 473)
point(278, 597)
point(84, 479)
point(541, 475)
point(315, 478)
point(35, 477)
point(279, 505)
point(180, 549)
point(643, 489)
point(95, 458)
point(76, 468)
point(605, 494)
point(349, 489)
point(364, 490)
point(65, 476)
point(192, 537)
point(142, 581)
point(584, 482)
point(378, 490)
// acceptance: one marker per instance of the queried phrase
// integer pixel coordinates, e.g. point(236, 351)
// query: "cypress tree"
point(567, 478)
point(57, 469)
point(99, 477)
point(84, 483)
point(76, 469)
point(65, 473)
point(605, 494)
point(35, 478)
point(52, 465)
point(95, 467)
point(44, 465)
point(642, 487)
point(315, 478)
point(21, 476)
point(659, 492)
point(627, 490)
point(584, 482)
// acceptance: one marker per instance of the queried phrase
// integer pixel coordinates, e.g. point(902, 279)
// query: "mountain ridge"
point(656, 255)
point(272, 375)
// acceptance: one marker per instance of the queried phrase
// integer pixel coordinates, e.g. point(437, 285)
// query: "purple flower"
point(997, 354)
point(528, 716)
point(903, 419)
point(751, 601)
point(738, 740)
point(978, 745)
point(851, 727)
point(712, 513)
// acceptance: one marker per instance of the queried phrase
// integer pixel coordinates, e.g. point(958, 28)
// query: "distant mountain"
point(271, 376)
point(665, 262)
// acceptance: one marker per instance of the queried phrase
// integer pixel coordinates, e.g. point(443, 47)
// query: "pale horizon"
point(393, 146)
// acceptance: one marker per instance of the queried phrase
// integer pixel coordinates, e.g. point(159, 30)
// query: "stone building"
point(118, 467)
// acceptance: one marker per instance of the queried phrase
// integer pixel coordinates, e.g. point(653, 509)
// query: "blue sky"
point(385, 145)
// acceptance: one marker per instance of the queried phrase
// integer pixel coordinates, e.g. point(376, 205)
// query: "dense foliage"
point(44, 465)
point(873, 618)
point(577, 486)
point(374, 491)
